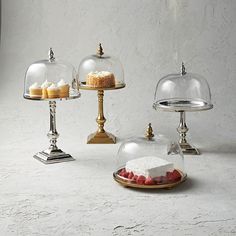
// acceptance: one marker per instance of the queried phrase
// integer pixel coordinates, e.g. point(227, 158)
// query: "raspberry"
point(126, 174)
point(169, 176)
point(134, 179)
point(164, 179)
point(149, 181)
point(158, 180)
point(176, 175)
point(141, 179)
point(123, 173)
point(131, 175)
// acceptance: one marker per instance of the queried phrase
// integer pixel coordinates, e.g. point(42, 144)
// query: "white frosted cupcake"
point(53, 91)
point(44, 87)
point(64, 88)
point(35, 91)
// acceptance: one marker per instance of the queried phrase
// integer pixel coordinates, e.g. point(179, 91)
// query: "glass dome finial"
point(149, 132)
point(51, 55)
point(183, 69)
point(100, 50)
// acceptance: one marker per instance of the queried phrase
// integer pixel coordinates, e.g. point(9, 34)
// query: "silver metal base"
point(187, 149)
point(53, 156)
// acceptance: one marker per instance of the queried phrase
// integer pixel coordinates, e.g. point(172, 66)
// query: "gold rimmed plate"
point(86, 87)
point(128, 183)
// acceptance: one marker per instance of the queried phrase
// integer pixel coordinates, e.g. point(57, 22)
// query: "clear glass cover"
point(51, 79)
point(155, 161)
point(101, 71)
point(182, 92)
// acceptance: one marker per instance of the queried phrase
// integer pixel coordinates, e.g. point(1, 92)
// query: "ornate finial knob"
point(51, 55)
point(183, 70)
point(149, 132)
point(100, 50)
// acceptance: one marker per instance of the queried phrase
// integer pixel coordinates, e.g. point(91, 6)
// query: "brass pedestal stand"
point(101, 136)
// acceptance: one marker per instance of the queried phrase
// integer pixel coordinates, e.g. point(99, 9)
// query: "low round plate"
point(177, 105)
point(127, 183)
point(50, 99)
point(86, 87)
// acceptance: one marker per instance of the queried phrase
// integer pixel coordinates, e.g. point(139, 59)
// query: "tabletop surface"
point(81, 197)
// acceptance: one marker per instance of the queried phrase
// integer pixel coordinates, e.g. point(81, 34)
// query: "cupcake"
point(64, 88)
point(44, 87)
point(53, 91)
point(35, 91)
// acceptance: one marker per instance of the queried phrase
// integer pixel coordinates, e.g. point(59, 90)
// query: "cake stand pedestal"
point(182, 130)
point(53, 154)
point(101, 136)
point(183, 106)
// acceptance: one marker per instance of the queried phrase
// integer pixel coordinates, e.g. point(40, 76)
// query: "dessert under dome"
point(183, 92)
point(149, 162)
point(51, 79)
point(101, 71)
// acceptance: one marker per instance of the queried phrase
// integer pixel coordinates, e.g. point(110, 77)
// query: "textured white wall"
point(151, 38)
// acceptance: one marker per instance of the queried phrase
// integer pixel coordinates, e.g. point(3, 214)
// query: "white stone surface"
point(151, 38)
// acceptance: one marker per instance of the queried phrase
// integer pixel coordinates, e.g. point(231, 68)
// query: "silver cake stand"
point(182, 106)
point(53, 154)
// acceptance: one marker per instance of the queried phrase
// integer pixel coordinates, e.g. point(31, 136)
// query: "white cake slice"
point(149, 166)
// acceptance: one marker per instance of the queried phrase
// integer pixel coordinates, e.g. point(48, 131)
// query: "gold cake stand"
point(101, 136)
point(127, 183)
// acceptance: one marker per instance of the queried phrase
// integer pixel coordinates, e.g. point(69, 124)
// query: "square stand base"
point(101, 138)
point(55, 156)
point(187, 149)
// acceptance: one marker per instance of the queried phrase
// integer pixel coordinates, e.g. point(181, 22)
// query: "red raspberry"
point(149, 181)
point(176, 175)
point(158, 180)
point(164, 180)
point(126, 174)
point(131, 175)
point(169, 176)
point(133, 180)
point(141, 179)
point(122, 172)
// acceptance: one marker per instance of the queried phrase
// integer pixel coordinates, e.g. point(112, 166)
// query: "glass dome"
point(101, 71)
point(183, 92)
point(149, 162)
point(51, 79)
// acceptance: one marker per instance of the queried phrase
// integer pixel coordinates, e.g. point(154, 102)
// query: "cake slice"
point(149, 166)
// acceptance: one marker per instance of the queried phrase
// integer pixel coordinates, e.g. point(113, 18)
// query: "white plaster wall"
point(151, 38)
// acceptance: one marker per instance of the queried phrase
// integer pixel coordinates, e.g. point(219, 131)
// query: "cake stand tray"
point(127, 183)
point(51, 99)
point(101, 136)
point(175, 105)
point(86, 87)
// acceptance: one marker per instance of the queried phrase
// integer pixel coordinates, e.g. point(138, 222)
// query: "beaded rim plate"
point(127, 183)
